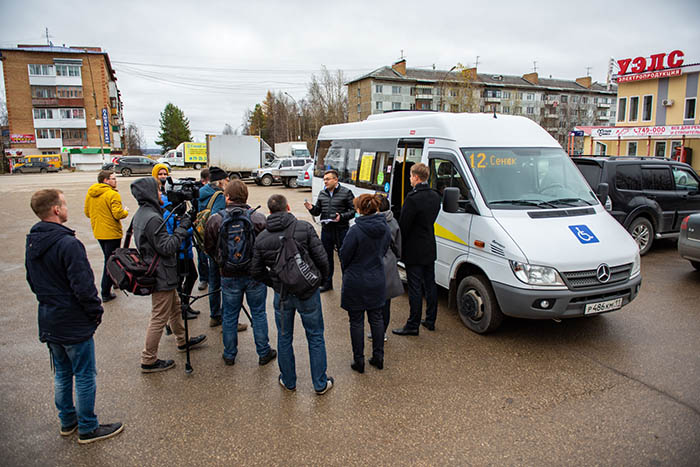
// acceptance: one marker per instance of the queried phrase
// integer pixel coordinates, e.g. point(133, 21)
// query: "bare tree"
point(228, 130)
point(3, 113)
point(133, 139)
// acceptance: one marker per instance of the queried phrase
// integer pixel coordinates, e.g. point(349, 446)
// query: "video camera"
point(180, 190)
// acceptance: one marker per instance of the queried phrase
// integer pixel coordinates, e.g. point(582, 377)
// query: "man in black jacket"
point(155, 244)
point(267, 247)
point(60, 276)
point(334, 205)
point(419, 252)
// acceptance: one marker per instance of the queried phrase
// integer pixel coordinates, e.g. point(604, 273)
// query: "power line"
point(224, 69)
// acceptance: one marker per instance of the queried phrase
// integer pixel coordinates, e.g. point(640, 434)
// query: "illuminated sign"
point(652, 68)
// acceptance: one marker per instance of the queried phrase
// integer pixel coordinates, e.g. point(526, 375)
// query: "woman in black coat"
point(364, 284)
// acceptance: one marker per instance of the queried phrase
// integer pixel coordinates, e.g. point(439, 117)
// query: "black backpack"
point(129, 272)
point(295, 268)
point(236, 240)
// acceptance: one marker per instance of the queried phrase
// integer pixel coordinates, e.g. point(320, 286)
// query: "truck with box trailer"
point(239, 155)
point(187, 154)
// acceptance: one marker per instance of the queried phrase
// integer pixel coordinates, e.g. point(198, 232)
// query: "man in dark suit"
point(419, 252)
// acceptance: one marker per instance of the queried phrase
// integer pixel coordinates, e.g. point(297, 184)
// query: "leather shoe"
point(405, 332)
point(358, 366)
point(190, 315)
point(325, 288)
point(267, 358)
point(427, 325)
point(375, 362)
point(108, 298)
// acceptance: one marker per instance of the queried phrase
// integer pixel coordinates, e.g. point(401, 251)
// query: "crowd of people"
point(242, 253)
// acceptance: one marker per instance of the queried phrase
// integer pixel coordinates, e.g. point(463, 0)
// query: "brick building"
point(557, 105)
point(61, 99)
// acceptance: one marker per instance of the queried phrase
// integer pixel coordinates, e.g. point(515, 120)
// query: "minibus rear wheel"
point(477, 305)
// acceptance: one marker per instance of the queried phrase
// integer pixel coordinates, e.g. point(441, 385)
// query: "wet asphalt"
point(617, 389)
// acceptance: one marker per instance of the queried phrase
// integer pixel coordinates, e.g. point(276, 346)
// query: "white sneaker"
point(329, 385)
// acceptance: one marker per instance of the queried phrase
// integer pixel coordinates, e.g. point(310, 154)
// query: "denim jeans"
point(214, 283)
point(421, 279)
point(312, 319)
point(75, 360)
point(233, 289)
point(202, 266)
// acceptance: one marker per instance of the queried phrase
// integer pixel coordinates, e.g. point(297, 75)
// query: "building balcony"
point(603, 105)
point(59, 123)
point(603, 117)
point(492, 100)
point(553, 115)
point(75, 142)
point(58, 102)
point(43, 143)
point(44, 102)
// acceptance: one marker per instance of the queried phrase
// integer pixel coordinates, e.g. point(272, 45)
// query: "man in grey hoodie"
point(155, 244)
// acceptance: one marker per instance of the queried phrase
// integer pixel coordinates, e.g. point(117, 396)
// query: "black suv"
point(649, 196)
point(134, 165)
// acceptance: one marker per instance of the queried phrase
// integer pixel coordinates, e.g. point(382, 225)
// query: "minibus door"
point(408, 152)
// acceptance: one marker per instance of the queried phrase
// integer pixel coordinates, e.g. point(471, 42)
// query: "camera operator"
point(155, 244)
point(202, 262)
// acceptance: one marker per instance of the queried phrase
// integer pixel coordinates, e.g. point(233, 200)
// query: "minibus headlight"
point(536, 275)
point(636, 265)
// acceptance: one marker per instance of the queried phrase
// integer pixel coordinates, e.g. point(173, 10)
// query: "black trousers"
point(357, 331)
point(187, 276)
point(386, 314)
point(332, 239)
point(421, 281)
point(108, 247)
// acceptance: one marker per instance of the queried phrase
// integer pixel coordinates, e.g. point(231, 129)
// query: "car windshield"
point(522, 178)
point(275, 164)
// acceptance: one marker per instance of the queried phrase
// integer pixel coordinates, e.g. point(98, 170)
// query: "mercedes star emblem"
point(603, 273)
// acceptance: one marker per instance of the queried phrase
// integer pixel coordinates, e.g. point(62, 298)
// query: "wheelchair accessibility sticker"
point(584, 234)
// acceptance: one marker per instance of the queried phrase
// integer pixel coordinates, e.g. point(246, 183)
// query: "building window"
point(43, 113)
point(574, 99)
point(564, 99)
point(506, 109)
point(675, 146)
point(530, 110)
point(646, 108)
point(584, 100)
point(453, 93)
point(74, 134)
point(454, 108)
point(621, 109)
point(67, 70)
point(530, 96)
point(518, 111)
point(413, 107)
point(48, 133)
point(396, 89)
point(72, 113)
point(482, 109)
point(396, 106)
point(378, 105)
point(358, 90)
point(506, 94)
point(632, 148)
point(660, 149)
point(519, 95)
point(358, 108)
point(43, 92)
point(601, 149)
point(70, 93)
point(41, 70)
point(612, 114)
point(379, 89)
point(634, 108)
point(689, 113)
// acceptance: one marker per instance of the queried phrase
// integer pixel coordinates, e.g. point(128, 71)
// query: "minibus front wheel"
point(477, 305)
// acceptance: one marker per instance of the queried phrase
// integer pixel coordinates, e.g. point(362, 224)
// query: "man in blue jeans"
point(267, 246)
point(60, 276)
point(235, 279)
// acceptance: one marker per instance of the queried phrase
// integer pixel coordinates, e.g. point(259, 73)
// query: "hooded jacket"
point(156, 169)
point(185, 250)
point(103, 205)
point(268, 244)
point(60, 276)
point(394, 286)
point(206, 192)
point(151, 235)
point(361, 258)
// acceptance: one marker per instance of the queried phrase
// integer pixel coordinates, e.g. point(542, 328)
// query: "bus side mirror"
point(602, 192)
point(450, 200)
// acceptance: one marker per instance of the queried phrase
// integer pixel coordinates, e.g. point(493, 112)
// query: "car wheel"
point(266, 180)
point(234, 176)
point(642, 231)
point(126, 172)
point(696, 265)
point(292, 183)
point(477, 305)
point(197, 166)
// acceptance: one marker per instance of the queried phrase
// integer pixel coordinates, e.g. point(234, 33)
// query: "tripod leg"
point(188, 365)
point(250, 318)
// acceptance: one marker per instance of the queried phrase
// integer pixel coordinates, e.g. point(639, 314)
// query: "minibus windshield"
point(523, 178)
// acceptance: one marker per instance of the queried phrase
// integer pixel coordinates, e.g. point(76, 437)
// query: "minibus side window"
point(444, 174)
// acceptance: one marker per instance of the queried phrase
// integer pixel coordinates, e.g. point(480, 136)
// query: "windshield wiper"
point(569, 201)
point(518, 202)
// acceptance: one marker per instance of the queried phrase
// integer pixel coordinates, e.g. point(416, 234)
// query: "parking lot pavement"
point(617, 389)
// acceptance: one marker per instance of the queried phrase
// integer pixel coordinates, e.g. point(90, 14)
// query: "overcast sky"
point(215, 59)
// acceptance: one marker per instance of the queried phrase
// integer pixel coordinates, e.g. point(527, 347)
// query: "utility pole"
point(299, 116)
point(441, 84)
point(534, 66)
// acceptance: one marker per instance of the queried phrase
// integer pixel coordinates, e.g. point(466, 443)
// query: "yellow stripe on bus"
point(442, 232)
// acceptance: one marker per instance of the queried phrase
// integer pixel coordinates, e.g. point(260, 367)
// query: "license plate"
point(600, 307)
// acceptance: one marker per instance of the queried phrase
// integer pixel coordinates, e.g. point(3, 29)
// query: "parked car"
point(134, 165)
point(689, 240)
point(35, 167)
point(306, 177)
point(649, 196)
point(285, 170)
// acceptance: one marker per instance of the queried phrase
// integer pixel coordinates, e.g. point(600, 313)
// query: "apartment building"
point(557, 105)
point(61, 100)
point(657, 114)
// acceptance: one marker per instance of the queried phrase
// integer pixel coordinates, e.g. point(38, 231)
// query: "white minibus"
point(520, 233)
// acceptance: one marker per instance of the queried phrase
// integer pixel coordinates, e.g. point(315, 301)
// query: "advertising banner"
point(105, 125)
point(22, 139)
point(664, 131)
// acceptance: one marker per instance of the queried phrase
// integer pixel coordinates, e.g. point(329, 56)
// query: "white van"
point(520, 233)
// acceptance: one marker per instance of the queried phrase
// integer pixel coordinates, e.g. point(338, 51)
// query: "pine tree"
point(174, 128)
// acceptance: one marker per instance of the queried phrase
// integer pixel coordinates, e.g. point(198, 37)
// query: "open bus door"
point(408, 152)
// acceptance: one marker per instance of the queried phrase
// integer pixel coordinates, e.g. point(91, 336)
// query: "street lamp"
point(297, 106)
point(442, 83)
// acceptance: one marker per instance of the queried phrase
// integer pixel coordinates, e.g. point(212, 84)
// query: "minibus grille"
point(588, 278)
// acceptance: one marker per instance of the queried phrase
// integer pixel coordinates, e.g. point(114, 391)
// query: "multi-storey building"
point(61, 99)
point(656, 111)
point(557, 105)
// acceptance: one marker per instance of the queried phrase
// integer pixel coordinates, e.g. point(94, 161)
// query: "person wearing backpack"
point(364, 281)
point(155, 244)
point(229, 239)
point(301, 236)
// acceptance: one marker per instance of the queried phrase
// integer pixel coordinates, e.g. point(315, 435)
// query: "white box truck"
point(186, 154)
point(292, 149)
point(238, 155)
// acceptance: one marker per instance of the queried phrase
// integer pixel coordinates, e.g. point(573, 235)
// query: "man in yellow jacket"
point(103, 205)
